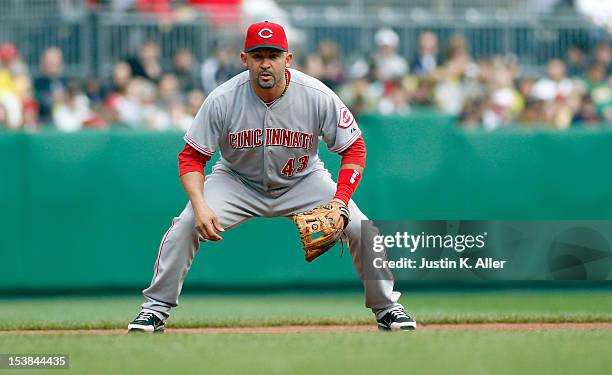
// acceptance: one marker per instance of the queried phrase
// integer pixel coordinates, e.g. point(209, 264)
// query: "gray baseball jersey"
point(272, 147)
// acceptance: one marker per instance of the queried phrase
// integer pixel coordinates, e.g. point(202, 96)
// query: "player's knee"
point(356, 215)
point(185, 221)
point(361, 228)
point(354, 227)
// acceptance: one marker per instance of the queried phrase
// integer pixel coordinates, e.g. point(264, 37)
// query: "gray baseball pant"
point(234, 203)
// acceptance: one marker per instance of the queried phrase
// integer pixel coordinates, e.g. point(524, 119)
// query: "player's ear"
point(243, 57)
point(288, 59)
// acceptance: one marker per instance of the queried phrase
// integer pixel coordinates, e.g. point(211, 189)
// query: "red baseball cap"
point(265, 34)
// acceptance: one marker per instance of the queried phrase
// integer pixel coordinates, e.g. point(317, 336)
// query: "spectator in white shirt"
point(387, 63)
point(556, 85)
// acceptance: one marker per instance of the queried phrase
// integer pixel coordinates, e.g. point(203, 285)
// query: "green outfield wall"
point(87, 210)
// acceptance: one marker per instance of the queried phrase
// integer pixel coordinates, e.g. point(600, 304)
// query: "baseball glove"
point(321, 228)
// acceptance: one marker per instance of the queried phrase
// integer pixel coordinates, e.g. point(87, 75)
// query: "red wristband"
point(348, 179)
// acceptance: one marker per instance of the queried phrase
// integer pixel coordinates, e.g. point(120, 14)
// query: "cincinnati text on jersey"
point(273, 137)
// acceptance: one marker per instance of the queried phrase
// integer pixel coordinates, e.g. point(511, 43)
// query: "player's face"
point(266, 66)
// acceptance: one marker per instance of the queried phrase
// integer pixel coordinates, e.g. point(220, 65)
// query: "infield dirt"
point(340, 328)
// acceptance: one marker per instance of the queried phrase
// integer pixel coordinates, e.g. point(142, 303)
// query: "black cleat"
point(395, 319)
point(148, 322)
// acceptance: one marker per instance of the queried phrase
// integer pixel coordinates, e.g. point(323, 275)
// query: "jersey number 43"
point(289, 167)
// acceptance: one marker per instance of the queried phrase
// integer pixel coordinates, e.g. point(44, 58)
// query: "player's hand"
point(341, 203)
point(207, 223)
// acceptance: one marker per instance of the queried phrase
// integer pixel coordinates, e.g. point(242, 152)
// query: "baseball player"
point(266, 122)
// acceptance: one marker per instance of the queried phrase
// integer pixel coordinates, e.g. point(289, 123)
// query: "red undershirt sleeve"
point(355, 154)
point(191, 160)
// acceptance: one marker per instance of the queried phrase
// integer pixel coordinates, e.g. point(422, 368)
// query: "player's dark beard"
point(267, 84)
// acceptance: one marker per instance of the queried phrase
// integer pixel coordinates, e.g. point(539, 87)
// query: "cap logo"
point(265, 33)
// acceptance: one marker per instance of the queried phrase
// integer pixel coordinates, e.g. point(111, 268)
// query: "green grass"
point(431, 352)
point(279, 309)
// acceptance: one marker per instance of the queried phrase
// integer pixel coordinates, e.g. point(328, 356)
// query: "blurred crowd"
point(143, 92)
point(140, 92)
point(489, 92)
